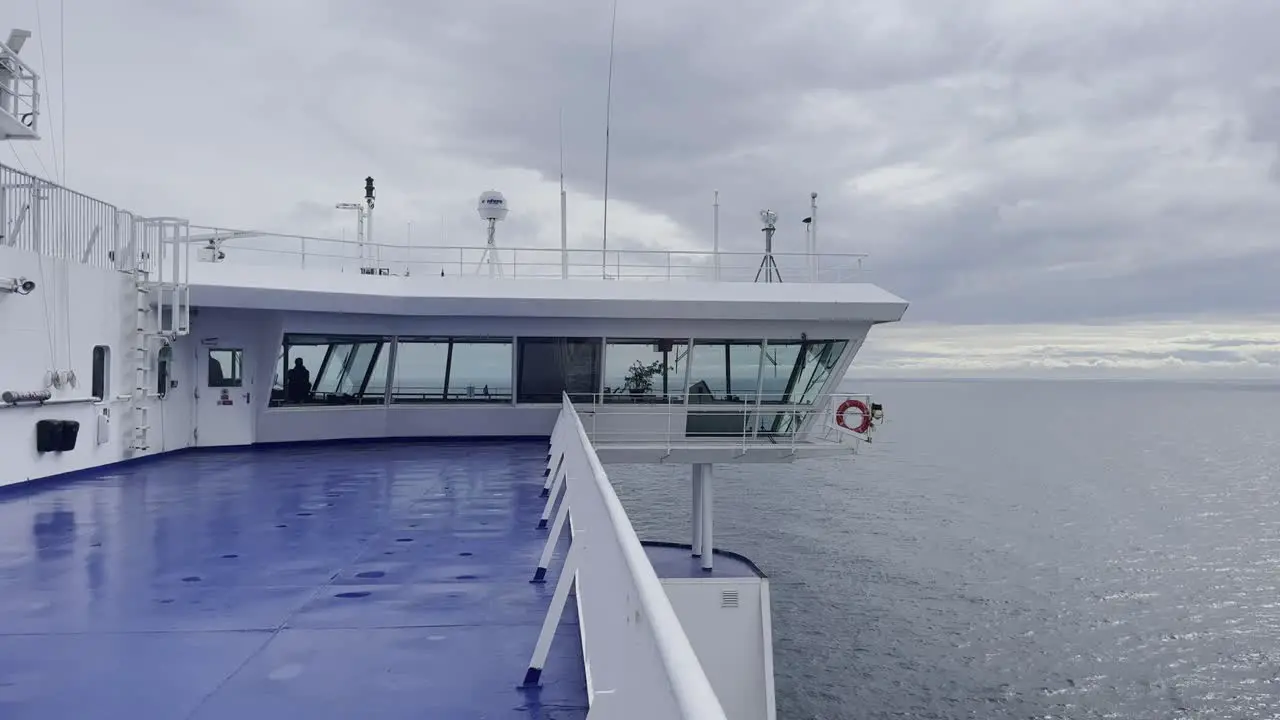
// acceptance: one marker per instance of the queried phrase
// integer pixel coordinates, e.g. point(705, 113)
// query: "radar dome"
point(492, 205)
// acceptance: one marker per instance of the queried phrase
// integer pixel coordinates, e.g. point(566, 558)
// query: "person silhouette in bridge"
point(299, 383)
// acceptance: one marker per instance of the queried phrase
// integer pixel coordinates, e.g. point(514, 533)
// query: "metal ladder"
point(161, 262)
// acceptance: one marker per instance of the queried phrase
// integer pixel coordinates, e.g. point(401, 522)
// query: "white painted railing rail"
point(639, 662)
point(256, 248)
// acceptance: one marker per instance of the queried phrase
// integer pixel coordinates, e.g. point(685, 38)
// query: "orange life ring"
point(862, 408)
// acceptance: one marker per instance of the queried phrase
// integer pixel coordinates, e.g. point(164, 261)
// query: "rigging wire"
point(608, 114)
point(44, 65)
point(62, 80)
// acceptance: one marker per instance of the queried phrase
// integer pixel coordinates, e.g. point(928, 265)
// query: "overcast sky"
point(1055, 186)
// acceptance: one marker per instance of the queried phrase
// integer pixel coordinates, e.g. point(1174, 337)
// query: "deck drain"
point(404, 539)
point(282, 525)
point(303, 514)
point(465, 577)
point(388, 552)
point(165, 601)
point(352, 595)
point(191, 578)
point(465, 554)
point(370, 574)
point(230, 556)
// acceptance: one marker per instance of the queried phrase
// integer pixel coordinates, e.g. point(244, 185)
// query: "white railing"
point(54, 221)
point(765, 420)
point(19, 94)
point(300, 251)
point(639, 662)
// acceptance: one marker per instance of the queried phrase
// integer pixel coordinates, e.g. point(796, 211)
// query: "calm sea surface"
point(1017, 550)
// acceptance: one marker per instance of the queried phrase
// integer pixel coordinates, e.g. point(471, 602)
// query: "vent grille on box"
point(728, 598)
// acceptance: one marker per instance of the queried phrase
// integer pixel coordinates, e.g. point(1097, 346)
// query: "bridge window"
point(795, 370)
point(452, 370)
point(801, 370)
point(331, 370)
point(422, 365)
point(644, 370)
point(814, 369)
point(724, 371)
point(550, 366)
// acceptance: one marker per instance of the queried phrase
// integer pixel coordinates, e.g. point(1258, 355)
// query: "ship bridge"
point(260, 479)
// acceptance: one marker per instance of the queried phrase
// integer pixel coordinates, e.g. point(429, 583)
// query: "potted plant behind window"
point(639, 379)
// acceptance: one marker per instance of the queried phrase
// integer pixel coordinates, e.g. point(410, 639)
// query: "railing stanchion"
point(551, 497)
point(533, 675)
point(562, 513)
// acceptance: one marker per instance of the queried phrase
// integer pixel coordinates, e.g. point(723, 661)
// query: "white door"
point(224, 408)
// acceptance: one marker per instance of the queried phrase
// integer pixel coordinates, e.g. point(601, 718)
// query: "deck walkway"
point(378, 581)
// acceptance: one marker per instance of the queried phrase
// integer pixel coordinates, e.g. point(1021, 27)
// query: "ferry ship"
point(255, 475)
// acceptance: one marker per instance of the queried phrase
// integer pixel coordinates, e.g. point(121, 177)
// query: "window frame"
point(524, 397)
point(237, 365)
point(100, 373)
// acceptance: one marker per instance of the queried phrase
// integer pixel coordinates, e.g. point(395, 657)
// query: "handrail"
point(689, 684)
point(255, 248)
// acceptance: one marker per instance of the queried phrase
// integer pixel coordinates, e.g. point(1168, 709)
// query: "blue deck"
point(675, 561)
point(386, 581)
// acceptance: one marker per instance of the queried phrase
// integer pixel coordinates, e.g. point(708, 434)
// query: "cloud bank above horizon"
point(1179, 349)
point(1032, 175)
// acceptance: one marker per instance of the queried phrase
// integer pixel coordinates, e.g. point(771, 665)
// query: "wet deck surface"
point(387, 581)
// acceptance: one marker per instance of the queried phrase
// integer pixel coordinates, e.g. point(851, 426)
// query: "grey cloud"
point(708, 98)
point(1072, 161)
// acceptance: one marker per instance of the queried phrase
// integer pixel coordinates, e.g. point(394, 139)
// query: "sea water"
point(1017, 550)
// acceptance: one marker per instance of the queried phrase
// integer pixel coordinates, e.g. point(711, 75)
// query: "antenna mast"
point(813, 236)
point(564, 209)
point(715, 231)
point(492, 208)
point(368, 219)
point(608, 114)
point(767, 265)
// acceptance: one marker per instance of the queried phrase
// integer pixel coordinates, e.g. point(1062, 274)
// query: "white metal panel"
point(723, 619)
point(221, 285)
point(74, 307)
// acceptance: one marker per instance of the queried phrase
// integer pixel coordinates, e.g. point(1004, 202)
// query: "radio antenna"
point(564, 209)
point(608, 114)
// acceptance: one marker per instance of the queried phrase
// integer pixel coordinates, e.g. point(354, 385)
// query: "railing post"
point(549, 549)
point(36, 211)
point(550, 475)
point(551, 498)
point(533, 675)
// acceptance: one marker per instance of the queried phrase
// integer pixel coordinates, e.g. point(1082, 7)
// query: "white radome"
point(492, 205)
